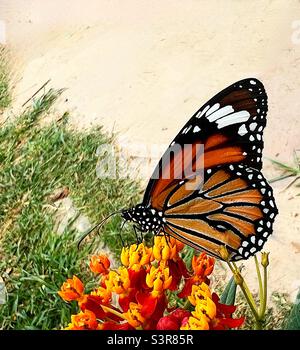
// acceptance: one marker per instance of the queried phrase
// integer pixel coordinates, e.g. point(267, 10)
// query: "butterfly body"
point(147, 218)
point(208, 190)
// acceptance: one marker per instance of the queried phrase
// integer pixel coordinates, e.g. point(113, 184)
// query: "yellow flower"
point(164, 248)
point(194, 323)
point(205, 307)
point(199, 292)
point(136, 256)
point(118, 282)
point(133, 315)
point(159, 279)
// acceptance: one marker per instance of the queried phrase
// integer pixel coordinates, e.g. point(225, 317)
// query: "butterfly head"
point(147, 218)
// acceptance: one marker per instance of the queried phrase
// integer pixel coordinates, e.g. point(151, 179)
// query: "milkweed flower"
point(208, 312)
point(134, 315)
point(195, 323)
point(99, 264)
point(118, 282)
point(166, 251)
point(158, 279)
point(136, 256)
point(202, 266)
point(137, 295)
point(199, 292)
point(85, 320)
point(164, 248)
point(205, 307)
point(72, 289)
point(104, 293)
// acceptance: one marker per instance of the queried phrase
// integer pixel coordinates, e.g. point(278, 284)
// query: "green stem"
point(245, 290)
point(265, 295)
point(261, 289)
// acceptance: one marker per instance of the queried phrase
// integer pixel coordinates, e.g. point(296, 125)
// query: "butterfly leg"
point(120, 235)
point(139, 238)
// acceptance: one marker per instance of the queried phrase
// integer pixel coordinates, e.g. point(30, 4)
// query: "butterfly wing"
point(230, 202)
point(230, 126)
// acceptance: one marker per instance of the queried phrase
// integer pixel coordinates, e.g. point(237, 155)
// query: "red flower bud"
point(180, 314)
point(168, 323)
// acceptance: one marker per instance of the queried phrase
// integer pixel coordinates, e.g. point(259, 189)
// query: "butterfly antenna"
point(85, 234)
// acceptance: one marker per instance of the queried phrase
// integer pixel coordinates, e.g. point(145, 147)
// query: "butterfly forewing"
point(230, 126)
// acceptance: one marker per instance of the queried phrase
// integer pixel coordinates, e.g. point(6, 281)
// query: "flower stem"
point(265, 295)
point(261, 289)
point(245, 290)
point(112, 311)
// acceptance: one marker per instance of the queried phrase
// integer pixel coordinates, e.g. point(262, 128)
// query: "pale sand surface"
point(143, 68)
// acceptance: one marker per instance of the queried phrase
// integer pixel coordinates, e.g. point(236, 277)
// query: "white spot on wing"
point(242, 130)
point(220, 113)
point(252, 126)
point(196, 129)
point(212, 109)
point(233, 118)
point(201, 113)
point(252, 82)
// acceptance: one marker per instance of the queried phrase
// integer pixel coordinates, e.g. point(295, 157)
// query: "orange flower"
point(72, 289)
point(103, 293)
point(82, 321)
point(99, 264)
point(158, 279)
point(203, 265)
point(133, 315)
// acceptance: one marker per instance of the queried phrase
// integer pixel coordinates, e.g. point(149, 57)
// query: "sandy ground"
point(142, 69)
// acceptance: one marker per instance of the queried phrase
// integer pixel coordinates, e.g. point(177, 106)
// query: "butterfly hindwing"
point(234, 207)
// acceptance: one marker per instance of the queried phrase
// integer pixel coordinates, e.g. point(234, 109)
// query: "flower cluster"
point(137, 295)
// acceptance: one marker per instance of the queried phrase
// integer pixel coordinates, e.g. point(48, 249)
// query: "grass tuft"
point(35, 161)
point(5, 97)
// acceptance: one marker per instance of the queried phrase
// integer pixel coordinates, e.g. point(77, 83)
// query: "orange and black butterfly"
point(229, 202)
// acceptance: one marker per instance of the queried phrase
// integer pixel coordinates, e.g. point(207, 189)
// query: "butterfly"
point(207, 190)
